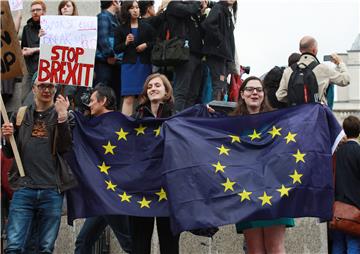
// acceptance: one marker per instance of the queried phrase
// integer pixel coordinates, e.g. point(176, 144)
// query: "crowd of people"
point(125, 80)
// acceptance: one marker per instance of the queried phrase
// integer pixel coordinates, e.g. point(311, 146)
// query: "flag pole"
point(12, 139)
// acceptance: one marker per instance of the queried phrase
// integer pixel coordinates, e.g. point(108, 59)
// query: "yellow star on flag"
point(254, 135)
point(228, 185)
point(223, 150)
point(290, 137)
point(296, 177)
point(144, 203)
point(234, 138)
point(245, 195)
point(122, 134)
point(157, 131)
point(103, 168)
point(109, 148)
point(218, 167)
point(110, 185)
point(265, 199)
point(125, 197)
point(161, 194)
point(140, 130)
point(299, 156)
point(275, 132)
point(284, 191)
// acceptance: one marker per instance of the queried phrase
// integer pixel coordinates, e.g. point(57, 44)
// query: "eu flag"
point(117, 162)
point(263, 166)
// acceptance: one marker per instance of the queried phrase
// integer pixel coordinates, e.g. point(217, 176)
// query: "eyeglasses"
point(251, 89)
point(44, 86)
point(36, 10)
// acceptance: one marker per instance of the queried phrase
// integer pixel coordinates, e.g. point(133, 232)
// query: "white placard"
point(67, 50)
point(16, 5)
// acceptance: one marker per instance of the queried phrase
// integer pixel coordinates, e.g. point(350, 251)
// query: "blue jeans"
point(26, 203)
point(95, 226)
point(343, 243)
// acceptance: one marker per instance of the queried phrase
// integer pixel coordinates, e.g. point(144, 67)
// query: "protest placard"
point(16, 5)
point(12, 61)
point(67, 50)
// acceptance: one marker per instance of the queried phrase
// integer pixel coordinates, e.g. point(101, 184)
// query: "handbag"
point(346, 218)
point(170, 52)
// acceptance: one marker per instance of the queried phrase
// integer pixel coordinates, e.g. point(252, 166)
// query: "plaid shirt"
point(107, 23)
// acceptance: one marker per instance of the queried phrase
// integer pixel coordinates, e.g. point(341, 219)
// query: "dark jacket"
point(184, 21)
point(107, 23)
point(219, 32)
point(63, 142)
point(146, 34)
point(156, 21)
point(271, 83)
point(347, 179)
point(144, 110)
point(30, 39)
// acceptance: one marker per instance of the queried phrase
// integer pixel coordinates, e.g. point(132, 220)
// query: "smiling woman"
point(262, 236)
point(156, 100)
point(252, 98)
point(157, 91)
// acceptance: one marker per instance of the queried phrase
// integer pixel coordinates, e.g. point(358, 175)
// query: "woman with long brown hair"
point(156, 100)
point(261, 236)
point(134, 38)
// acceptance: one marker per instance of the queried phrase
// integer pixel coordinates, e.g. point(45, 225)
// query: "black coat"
point(144, 110)
point(184, 21)
point(347, 179)
point(219, 33)
point(146, 34)
point(30, 39)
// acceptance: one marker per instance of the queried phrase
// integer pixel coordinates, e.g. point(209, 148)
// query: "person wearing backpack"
point(43, 136)
point(307, 81)
point(272, 81)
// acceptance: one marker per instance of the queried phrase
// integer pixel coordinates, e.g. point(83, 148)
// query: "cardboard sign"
point(16, 5)
point(12, 61)
point(67, 50)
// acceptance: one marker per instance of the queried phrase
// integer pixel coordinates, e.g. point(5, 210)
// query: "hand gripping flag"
point(254, 167)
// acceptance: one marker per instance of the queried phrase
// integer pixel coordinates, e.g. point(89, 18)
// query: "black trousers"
point(142, 230)
point(217, 68)
point(187, 83)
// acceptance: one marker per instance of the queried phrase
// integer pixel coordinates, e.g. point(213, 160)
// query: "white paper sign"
point(16, 5)
point(67, 50)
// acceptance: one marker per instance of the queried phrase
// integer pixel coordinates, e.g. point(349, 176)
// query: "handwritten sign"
point(67, 50)
point(12, 61)
point(16, 5)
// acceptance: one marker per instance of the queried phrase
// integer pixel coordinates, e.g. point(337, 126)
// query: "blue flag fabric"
point(205, 172)
point(117, 162)
point(253, 167)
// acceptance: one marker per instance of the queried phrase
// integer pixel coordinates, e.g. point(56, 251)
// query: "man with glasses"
point(43, 135)
point(30, 42)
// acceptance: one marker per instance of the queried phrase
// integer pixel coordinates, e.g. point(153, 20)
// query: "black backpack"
point(303, 86)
